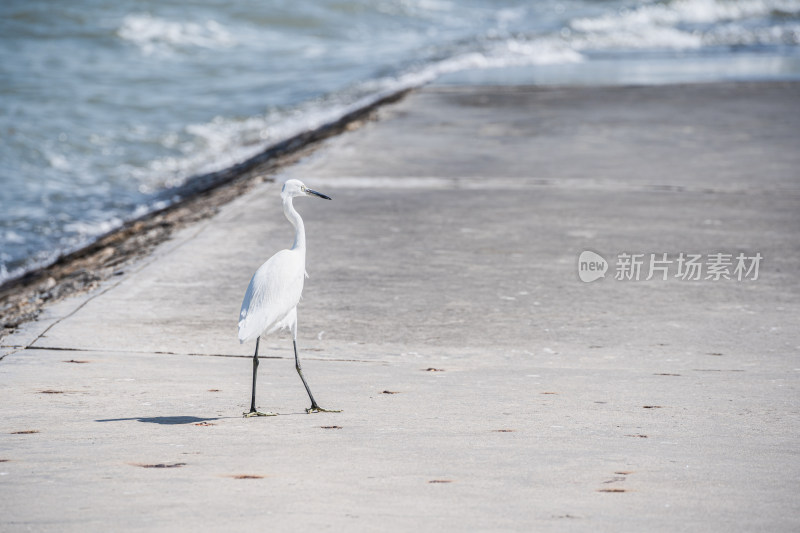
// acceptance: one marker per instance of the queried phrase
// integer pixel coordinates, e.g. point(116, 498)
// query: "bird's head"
point(294, 188)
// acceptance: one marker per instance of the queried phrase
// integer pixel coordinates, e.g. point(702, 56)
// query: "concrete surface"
point(451, 244)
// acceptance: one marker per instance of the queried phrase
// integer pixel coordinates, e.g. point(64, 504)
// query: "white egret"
point(270, 303)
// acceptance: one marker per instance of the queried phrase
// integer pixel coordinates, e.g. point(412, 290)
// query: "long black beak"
point(315, 193)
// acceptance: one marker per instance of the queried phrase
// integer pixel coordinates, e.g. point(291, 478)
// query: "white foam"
point(81, 234)
point(85, 230)
point(679, 24)
point(738, 34)
point(13, 237)
point(224, 142)
point(57, 161)
point(156, 35)
point(684, 11)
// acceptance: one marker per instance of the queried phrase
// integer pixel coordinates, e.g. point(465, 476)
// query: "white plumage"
point(270, 303)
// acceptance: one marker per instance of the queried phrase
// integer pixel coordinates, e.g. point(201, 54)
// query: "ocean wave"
point(683, 24)
point(73, 236)
point(155, 35)
point(737, 34)
point(684, 11)
point(224, 142)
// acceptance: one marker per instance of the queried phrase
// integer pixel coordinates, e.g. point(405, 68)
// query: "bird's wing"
point(273, 292)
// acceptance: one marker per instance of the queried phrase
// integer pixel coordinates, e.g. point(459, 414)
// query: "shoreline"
point(22, 298)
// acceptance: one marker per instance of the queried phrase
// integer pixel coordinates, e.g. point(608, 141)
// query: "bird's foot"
point(258, 413)
point(317, 409)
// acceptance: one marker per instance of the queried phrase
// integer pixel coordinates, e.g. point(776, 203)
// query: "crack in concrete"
point(90, 298)
point(511, 182)
point(134, 271)
point(142, 352)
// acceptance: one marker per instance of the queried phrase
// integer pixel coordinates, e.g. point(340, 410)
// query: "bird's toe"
point(258, 413)
point(318, 409)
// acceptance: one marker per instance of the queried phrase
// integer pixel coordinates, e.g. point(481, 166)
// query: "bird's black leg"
point(253, 411)
point(255, 373)
point(314, 407)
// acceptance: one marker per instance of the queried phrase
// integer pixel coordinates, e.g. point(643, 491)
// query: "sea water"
point(107, 107)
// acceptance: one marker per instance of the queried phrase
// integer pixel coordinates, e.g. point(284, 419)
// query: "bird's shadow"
point(165, 420)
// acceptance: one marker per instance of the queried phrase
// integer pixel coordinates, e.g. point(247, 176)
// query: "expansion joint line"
point(90, 298)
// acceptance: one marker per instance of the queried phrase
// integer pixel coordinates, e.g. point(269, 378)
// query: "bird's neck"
point(299, 229)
